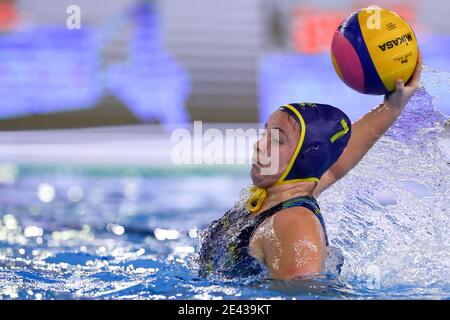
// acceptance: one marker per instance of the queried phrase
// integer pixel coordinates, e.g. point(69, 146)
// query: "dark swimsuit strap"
point(299, 201)
point(308, 202)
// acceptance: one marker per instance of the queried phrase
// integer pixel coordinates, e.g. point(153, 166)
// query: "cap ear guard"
point(292, 173)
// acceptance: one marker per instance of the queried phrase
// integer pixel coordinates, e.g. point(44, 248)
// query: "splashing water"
point(76, 234)
point(390, 215)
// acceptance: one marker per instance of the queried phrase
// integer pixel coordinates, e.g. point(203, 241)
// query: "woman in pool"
point(281, 230)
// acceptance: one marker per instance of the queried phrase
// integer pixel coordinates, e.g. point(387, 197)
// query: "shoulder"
point(288, 226)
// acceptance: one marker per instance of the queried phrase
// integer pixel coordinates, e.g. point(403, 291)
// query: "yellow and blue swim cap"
point(324, 133)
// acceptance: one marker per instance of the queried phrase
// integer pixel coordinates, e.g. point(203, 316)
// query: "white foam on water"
point(390, 214)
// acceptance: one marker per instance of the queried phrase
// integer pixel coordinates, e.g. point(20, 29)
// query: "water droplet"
point(33, 231)
point(46, 192)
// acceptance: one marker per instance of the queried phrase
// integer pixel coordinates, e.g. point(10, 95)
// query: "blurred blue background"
point(173, 61)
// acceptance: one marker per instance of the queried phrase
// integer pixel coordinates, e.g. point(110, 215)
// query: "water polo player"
point(281, 229)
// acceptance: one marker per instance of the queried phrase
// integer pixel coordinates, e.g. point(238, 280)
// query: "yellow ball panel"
point(391, 43)
point(336, 67)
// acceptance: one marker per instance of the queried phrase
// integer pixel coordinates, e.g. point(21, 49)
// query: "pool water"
point(133, 233)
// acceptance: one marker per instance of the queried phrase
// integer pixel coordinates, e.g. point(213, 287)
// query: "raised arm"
point(367, 130)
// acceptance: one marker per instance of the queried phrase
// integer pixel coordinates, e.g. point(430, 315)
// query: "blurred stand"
point(150, 83)
point(220, 43)
point(54, 69)
point(173, 61)
point(46, 70)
